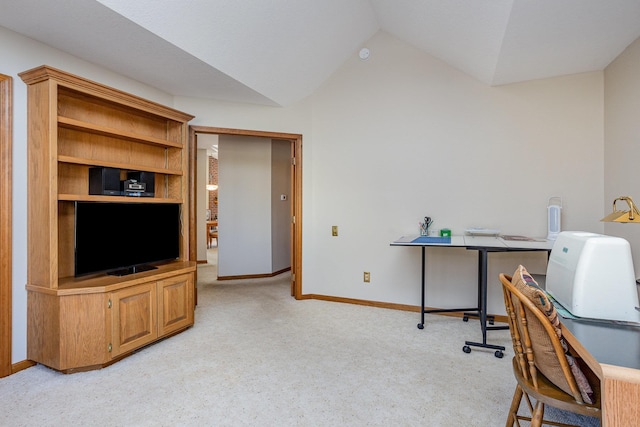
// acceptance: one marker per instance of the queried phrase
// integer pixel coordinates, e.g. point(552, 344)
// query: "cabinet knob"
point(109, 303)
point(109, 347)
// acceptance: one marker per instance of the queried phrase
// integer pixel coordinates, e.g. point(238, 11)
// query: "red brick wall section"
point(213, 179)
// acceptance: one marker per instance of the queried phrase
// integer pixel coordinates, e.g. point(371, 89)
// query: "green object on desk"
point(445, 232)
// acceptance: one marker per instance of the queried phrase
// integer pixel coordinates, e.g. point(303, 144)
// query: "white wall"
point(244, 206)
point(622, 141)
point(386, 142)
point(403, 135)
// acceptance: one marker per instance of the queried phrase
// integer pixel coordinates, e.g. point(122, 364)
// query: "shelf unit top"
point(63, 78)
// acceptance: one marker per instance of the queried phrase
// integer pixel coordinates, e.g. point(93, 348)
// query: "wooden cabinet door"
point(68, 332)
point(175, 303)
point(84, 333)
point(133, 318)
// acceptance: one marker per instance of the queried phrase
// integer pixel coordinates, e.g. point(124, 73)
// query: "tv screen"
point(124, 238)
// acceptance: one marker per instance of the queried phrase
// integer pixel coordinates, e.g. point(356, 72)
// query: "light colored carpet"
point(258, 357)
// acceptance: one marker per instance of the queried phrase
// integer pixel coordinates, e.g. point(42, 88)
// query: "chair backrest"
point(536, 342)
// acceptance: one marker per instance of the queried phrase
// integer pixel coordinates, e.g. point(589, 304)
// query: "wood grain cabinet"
point(133, 318)
point(141, 314)
point(74, 124)
point(175, 303)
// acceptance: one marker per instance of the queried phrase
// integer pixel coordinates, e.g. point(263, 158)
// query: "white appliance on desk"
point(591, 275)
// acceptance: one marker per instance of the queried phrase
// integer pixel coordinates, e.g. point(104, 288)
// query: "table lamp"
point(631, 215)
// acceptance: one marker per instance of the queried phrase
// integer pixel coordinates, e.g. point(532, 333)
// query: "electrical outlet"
point(367, 277)
point(334, 230)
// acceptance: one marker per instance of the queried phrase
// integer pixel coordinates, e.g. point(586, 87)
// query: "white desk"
point(484, 245)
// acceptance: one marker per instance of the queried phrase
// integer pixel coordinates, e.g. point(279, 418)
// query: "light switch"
point(334, 230)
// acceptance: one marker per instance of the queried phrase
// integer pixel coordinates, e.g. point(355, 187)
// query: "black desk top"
point(608, 342)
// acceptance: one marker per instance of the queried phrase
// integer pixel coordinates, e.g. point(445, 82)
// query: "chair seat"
point(549, 394)
point(213, 234)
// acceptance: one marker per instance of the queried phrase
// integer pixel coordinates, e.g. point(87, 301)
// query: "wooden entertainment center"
point(88, 322)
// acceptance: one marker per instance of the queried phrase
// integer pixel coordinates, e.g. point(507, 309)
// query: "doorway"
point(296, 193)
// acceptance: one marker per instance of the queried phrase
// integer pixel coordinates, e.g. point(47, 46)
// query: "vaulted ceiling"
point(277, 52)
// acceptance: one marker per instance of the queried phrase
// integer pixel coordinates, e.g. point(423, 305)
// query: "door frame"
point(296, 193)
point(6, 224)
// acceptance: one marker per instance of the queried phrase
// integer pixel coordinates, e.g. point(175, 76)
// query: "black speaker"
point(104, 181)
point(148, 178)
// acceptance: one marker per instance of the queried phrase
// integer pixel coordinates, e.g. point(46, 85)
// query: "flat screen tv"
point(125, 238)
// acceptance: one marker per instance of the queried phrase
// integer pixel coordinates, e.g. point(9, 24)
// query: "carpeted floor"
point(258, 357)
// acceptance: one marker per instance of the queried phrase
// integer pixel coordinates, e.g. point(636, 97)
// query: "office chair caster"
point(466, 349)
point(420, 326)
point(499, 354)
point(465, 319)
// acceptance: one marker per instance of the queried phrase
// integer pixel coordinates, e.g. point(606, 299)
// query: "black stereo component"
point(131, 187)
point(104, 181)
point(147, 179)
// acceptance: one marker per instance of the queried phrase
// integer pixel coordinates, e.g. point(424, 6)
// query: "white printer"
point(591, 275)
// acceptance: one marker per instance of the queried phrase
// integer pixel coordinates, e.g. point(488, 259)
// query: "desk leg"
point(421, 324)
point(423, 297)
point(483, 261)
point(482, 302)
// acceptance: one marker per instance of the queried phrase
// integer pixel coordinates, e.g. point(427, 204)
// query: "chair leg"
point(538, 415)
point(515, 404)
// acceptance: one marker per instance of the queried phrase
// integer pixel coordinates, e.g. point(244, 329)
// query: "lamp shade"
point(620, 216)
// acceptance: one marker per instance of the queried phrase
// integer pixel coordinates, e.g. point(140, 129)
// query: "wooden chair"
point(212, 233)
point(522, 312)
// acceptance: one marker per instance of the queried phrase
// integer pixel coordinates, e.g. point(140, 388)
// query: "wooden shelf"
point(106, 283)
point(127, 199)
point(124, 166)
point(69, 123)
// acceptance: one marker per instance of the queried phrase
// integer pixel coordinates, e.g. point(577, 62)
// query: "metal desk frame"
point(484, 245)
